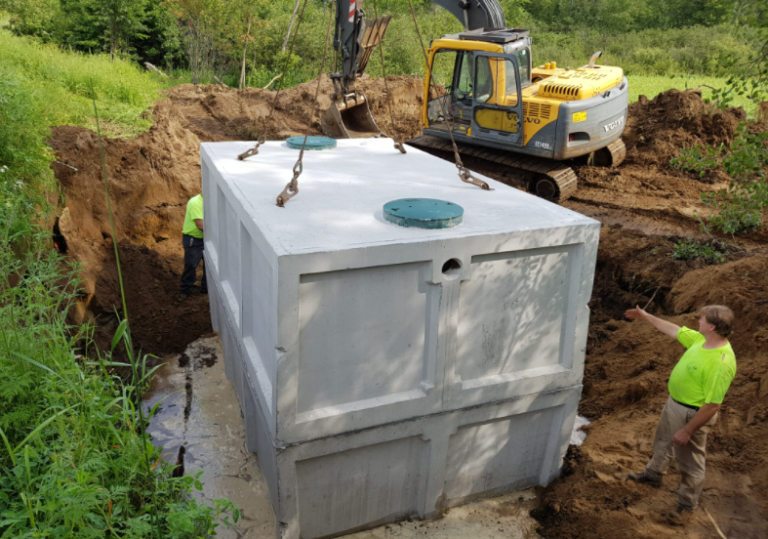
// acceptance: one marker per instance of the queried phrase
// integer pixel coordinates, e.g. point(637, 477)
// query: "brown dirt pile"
point(216, 112)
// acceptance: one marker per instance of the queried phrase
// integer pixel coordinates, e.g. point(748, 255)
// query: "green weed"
point(690, 249)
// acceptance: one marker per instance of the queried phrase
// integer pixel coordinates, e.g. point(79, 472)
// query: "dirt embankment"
point(644, 204)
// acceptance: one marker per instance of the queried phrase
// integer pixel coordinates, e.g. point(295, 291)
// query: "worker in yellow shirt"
point(697, 386)
point(192, 240)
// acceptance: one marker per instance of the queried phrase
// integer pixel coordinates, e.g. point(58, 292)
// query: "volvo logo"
point(613, 125)
point(533, 121)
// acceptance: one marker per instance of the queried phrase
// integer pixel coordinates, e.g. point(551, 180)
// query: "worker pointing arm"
point(697, 387)
point(667, 328)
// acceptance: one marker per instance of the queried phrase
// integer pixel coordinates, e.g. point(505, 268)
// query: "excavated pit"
point(644, 204)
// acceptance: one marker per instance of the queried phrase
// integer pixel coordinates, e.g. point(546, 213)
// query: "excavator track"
point(549, 179)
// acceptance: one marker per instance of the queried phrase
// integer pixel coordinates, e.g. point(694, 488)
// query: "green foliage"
point(739, 207)
point(140, 29)
point(60, 83)
point(658, 37)
point(75, 459)
point(690, 249)
point(627, 15)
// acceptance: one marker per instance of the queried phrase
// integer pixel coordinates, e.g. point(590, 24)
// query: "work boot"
point(679, 517)
point(644, 478)
point(182, 297)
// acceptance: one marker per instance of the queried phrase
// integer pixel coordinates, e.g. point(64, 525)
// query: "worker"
point(192, 240)
point(697, 386)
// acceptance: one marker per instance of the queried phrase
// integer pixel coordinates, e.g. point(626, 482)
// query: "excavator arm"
point(356, 37)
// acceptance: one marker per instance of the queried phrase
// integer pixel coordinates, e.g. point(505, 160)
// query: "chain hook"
point(399, 146)
point(253, 151)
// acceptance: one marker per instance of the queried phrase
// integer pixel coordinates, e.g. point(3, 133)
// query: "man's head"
point(716, 318)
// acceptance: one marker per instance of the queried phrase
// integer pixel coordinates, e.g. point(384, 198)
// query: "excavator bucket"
point(349, 115)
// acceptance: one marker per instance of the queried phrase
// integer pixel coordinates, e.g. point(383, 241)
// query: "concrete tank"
point(384, 371)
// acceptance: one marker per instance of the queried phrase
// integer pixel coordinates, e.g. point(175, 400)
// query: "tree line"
point(244, 41)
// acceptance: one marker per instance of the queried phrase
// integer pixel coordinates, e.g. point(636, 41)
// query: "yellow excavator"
point(519, 124)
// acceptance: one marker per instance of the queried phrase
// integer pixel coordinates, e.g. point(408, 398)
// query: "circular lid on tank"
point(423, 213)
point(313, 143)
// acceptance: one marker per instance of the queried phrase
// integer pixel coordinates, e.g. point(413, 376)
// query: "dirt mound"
point(657, 129)
point(216, 112)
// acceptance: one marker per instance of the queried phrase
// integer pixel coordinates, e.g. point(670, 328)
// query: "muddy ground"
point(644, 204)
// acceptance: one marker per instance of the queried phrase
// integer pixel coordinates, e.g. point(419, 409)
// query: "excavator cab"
point(482, 98)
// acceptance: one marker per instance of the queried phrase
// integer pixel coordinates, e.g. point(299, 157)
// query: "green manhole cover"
point(313, 143)
point(423, 213)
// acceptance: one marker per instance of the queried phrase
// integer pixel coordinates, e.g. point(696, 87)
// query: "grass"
point(61, 80)
point(652, 85)
point(75, 459)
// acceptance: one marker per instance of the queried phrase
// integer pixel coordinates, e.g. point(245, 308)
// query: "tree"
point(201, 23)
point(123, 21)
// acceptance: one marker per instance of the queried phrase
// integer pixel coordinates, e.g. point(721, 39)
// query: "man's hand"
point(668, 328)
point(681, 437)
point(636, 314)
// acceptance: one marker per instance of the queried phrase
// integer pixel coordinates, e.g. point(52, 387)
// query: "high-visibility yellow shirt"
point(194, 211)
point(701, 376)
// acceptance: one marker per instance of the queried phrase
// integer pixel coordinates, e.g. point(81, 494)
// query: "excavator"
point(520, 124)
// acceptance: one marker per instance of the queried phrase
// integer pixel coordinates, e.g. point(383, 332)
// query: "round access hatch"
point(423, 213)
point(313, 143)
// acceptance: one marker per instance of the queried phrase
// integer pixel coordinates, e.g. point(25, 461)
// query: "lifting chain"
point(292, 189)
point(464, 173)
point(398, 141)
point(262, 138)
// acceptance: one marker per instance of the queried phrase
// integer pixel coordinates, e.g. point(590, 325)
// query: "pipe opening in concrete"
point(452, 268)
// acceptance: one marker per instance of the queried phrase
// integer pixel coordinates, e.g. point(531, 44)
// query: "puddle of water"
point(200, 417)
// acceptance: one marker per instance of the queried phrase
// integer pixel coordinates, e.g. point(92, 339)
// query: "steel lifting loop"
point(467, 177)
point(292, 189)
point(253, 151)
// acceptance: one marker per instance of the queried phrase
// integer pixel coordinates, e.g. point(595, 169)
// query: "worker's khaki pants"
point(690, 458)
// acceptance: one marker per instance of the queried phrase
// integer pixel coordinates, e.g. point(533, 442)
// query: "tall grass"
point(75, 459)
point(60, 81)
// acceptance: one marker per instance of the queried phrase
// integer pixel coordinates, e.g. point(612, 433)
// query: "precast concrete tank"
point(390, 371)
